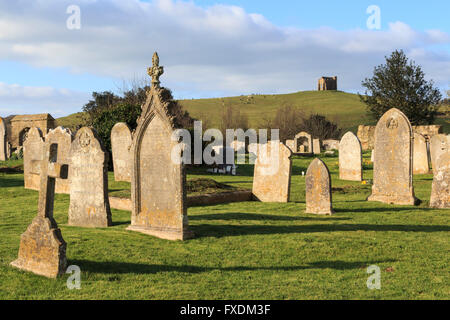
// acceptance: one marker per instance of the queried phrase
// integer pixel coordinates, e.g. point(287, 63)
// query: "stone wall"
point(19, 125)
point(366, 134)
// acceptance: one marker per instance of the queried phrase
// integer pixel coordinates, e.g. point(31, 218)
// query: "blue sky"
point(208, 48)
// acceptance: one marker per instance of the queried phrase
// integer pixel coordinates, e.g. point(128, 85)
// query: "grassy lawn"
point(246, 250)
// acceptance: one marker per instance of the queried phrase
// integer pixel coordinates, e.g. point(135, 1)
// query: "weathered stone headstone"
point(291, 145)
point(392, 169)
point(33, 150)
point(272, 173)
point(3, 142)
point(316, 146)
point(88, 176)
point(303, 139)
point(318, 188)
point(330, 144)
point(440, 188)
point(121, 140)
point(350, 158)
point(63, 138)
point(372, 156)
point(42, 247)
point(439, 144)
point(420, 157)
point(158, 181)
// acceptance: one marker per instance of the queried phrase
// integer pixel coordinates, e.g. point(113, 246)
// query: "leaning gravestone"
point(318, 188)
point(350, 158)
point(272, 173)
point(158, 178)
point(88, 176)
point(392, 168)
point(440, 189)
point(3, 142)
point(121, 153)
point(420, 157)
point(33, 150)
point(42, 247)
point(439, 144)
point(63, 138)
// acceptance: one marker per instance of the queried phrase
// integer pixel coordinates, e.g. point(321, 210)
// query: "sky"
point(51, 63)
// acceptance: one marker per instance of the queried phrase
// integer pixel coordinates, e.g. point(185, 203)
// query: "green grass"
point(246, 250)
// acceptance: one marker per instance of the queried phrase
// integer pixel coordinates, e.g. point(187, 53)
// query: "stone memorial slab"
point(392, 170)
point(3, 142)
point(158, 178)
point(42, 247)
point(318, 189)
point(440, 188)
point(272, 173)
point(121, 140)
point(33, 150)
point(316, 146)
point(439, 144)
point(88, 176)
point(350, 158)
point(291, 145)
point(420, 156)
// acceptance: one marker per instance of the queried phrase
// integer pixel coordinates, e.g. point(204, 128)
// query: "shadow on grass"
point(219, 231)
point(115, 267)
point(379, 209)
point(10, 182)
point(256, 216)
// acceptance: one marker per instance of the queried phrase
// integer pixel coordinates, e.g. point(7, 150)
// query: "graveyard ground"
point(246, 250)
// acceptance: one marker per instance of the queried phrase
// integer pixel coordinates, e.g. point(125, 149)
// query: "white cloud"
point(17, 99)
point(217, 49)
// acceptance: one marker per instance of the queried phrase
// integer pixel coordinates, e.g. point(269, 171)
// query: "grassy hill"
point(343, 108)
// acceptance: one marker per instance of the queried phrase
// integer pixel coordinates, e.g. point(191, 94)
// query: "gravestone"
point(316, 146)
point(372, 156)
point(318, 189)
point(420, 157)
point(33, 150)
point(3, 142)
point(440, 188)
point(303, 139)
point(63, 138)
point(88, 176)
point(158, 178)
point(439, 144)
point(291, 145)
point(272, 173)
point(42, 247)
point(350, 158)
point(330, 144)
point(392, 168)
point(122, 158)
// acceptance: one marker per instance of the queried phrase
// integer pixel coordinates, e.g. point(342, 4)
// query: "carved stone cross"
point(42, 247)
point(155, 71)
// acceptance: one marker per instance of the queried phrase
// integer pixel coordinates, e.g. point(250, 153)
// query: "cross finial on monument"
point(155, 71)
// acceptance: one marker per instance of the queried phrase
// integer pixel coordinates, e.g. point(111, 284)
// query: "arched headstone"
point(392, 169)
point(121, 151)
point(272, 173)
point(88, 176)
point(350, 158)
point(318, 189)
